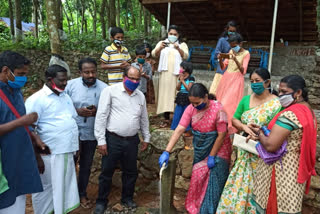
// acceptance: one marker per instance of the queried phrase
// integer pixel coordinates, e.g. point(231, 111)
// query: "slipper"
point(86, 204)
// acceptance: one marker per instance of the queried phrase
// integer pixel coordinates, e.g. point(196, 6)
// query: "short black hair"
point(126, 70)
point(12, 60)
point(296, 82)
point(187, 66)
point(140, 50)
point(235, 38)
point(86, 60)
point(147, 45)
point(116, 30)
point(52, 71)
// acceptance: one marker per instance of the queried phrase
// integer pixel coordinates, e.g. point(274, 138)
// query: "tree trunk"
point(140, 15)
point(108, 14)
point(36, 17)
point(113, 12)
point(149, 23)
point(68, 19)
point(126, 24)
point(102, 15)
point(93, 12)
point(132, 15)
point(118, 13)
point(60, 14)
point(83, 9)
point(53, 20)
point(11, 19)
point(18, 20)
point(145, 21)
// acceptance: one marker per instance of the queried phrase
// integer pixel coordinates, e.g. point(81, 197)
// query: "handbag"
point(271, 157)
point(240, 142)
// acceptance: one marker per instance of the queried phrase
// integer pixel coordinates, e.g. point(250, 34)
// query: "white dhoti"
point(18, 207)
point(60, 190)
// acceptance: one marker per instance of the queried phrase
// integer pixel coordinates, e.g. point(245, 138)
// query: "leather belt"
point(124, 138)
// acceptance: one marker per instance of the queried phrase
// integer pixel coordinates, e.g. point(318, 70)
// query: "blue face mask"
point(236, 49)
point(201, 106)
point(18, 82)
point(257, 88)
point(141, 61)
point(231, 33)
point(130, 85)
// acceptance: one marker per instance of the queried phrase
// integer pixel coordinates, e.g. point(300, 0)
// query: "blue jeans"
point(87, 150)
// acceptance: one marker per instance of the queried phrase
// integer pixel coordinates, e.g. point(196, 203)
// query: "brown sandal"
point(86, 203)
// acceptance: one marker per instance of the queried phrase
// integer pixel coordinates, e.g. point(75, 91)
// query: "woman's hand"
point(163, 45)
point(249, 131)
point(176, 46)
point(232, 56)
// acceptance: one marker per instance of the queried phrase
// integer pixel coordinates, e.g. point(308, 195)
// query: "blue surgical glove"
point(164, 158)
point(211, 161)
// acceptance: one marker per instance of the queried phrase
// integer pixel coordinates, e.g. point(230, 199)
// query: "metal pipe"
point(168, 16)
point(274, 22)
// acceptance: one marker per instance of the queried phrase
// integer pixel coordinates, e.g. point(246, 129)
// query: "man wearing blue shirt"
point(85, 93)
point(20, 175)
point(57, 128)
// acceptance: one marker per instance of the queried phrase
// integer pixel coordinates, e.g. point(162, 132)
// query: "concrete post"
point(167, 187)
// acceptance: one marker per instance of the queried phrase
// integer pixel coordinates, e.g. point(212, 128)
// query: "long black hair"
point(229, 24)
point(187, 66)
point(199, 90)
point(235, 38)
point(296, 82)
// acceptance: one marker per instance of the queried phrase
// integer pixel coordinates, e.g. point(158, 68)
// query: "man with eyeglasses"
point(85, 93)
point(122, 112)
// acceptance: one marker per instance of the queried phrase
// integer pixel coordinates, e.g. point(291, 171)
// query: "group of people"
point(253, 185)
point(40, 138)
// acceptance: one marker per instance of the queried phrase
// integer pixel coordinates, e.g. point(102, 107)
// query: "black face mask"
point(89, 83)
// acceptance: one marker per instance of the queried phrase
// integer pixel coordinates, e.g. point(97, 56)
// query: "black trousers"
point(87, 150)
point(125, 151)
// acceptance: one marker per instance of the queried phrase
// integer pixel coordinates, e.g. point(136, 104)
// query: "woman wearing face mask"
point(280, 187)
point(231, 86)
point(223, 46)
point(150, 96)
point(171, 53)
point(212, 150)
point(258, 108)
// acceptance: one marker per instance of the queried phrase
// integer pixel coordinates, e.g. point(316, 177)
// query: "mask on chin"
point(201, 106)
point(55, 87)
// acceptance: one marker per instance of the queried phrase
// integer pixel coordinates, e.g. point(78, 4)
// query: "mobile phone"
point(224, 55)
point(46, 151)
point(166, 44)
point(90, 107)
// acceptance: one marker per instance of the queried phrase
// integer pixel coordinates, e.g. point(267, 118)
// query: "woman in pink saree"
point(212, 150)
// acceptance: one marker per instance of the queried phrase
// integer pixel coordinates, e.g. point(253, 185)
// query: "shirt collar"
point(114, 47)
point(124, 90)
point(47, 91)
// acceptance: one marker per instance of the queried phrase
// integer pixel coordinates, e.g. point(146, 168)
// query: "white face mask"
point(172, 38)
point(286, 100)
point(147, 55)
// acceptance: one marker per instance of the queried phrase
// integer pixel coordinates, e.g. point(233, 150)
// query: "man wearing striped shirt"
point(115, 57)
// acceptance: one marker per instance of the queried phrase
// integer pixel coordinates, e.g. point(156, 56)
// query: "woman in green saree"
point(258, 108)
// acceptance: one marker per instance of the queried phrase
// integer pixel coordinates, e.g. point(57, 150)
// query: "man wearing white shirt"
point(122, 112)
point(57, 128)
